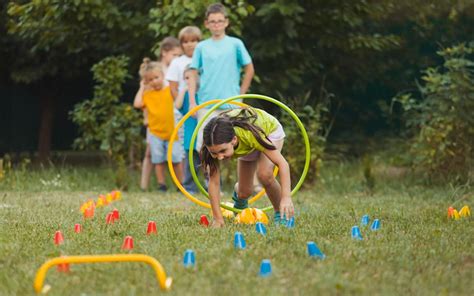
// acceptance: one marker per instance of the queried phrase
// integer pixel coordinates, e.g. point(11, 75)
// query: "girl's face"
point(188, 46)
point(154, 79)
point(223, 151)
point(168, 56)
point(187, 76)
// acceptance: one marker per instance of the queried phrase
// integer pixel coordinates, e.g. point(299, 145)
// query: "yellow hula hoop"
point(170, 158)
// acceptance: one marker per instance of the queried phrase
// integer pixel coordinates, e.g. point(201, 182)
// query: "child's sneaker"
point(162, 188)
point(239, 203)
point(279, 219)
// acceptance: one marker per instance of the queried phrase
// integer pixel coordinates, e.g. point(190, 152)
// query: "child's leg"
point(265, 176)
point(246, 171)
point(178, 169)
point(188, 182)
point(188, 178)
point(158, 158)
point(177, 156)
point(160, 169)
point(147, 167)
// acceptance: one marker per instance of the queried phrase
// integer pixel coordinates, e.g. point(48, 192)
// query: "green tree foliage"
point(314, 120)
point(63, 37)
point(58, 41)
point(442, 119)
point(105, 123)
point(168, 18)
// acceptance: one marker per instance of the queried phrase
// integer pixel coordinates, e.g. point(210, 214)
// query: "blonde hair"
point(149, 65)
point(189, 32)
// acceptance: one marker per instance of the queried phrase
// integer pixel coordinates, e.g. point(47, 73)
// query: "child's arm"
point(192, 87)
point(214, 196)
point(174, 88)
point(138, 102)
point(286, 205)
point(249, 71)
point(178, 102)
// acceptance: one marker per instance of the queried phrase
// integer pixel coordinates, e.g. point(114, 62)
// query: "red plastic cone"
point(127, 243)
point(63, 267)
point(116, 214)
point(58, 238)
point(77, 228)
point(109, 219)
point(204, 221)
point(151, 227)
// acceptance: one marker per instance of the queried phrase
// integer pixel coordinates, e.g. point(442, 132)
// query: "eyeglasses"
point(219, 22)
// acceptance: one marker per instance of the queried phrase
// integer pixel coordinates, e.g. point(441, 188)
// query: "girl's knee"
point(265, 177)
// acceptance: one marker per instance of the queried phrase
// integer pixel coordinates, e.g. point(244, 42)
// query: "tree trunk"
point(46, 125)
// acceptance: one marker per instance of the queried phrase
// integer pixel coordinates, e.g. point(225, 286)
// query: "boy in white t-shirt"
point(189, 37)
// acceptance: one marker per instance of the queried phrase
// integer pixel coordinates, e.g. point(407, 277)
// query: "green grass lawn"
point(417, 251)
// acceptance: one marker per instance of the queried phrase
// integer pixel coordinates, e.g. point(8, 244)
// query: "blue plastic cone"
point(260, 228)
point(365, 220)
point(291, 222)
point(314, 251)
point(375, 225)
point(356, 233)
point(239, 241)
point(189, 258)
point(265, 268)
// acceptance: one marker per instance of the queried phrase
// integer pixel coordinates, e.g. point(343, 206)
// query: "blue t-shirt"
point(190, 123)
point(218, 63)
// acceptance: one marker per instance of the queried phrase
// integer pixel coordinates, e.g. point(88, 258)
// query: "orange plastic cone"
point(151, 227)
point(89, 212)
point(77, 228)
point(104, 199)
point(58, 238)
point(127, 243)
point(450, 212)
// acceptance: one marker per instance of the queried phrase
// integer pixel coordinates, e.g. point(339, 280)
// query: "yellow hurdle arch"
point(163, 281)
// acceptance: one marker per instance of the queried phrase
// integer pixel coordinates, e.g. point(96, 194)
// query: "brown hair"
point(168, 44)
point(220, 130)
point(216, 8)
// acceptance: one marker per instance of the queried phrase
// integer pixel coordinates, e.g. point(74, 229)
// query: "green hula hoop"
point(260, 97)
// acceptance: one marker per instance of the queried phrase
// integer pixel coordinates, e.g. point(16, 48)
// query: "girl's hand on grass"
point(286, 207)
point(217, 224)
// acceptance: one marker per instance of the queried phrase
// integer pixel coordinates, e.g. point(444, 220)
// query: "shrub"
point(312, 118)
point(442, 120)
point(105, 123)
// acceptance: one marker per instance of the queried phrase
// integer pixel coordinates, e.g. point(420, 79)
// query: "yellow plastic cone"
point(465, 212)
point(456, 215)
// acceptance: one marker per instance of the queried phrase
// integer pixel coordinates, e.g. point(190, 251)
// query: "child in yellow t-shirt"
point(255, 138)
point(158, 102)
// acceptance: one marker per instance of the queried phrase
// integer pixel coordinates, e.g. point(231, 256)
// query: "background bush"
point(442, 119)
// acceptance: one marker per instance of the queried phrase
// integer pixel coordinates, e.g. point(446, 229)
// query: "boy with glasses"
point(218, 61)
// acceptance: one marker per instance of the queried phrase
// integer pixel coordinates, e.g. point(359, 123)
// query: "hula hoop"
point(261, 97)
point(173, 173)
